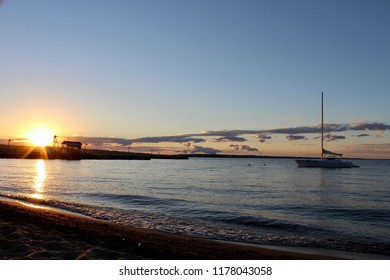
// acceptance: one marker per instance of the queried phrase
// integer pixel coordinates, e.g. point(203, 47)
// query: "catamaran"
point(334, 160)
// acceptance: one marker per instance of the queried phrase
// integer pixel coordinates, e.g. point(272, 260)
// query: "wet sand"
point(38, 233)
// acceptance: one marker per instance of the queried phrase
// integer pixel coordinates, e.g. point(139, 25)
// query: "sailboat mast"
point(322, 125)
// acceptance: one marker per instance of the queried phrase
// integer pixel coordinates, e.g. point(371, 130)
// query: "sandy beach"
point(38, 233)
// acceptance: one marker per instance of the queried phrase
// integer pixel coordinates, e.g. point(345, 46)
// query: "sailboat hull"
point(325, 163)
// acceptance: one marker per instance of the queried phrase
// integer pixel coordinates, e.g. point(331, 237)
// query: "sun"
point(41, 137)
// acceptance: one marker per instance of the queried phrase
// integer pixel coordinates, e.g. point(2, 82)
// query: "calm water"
point(260, 201)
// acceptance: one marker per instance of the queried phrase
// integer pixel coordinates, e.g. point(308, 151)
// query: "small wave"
point(135, 199)
point(366, 214)
point(270, 224)
point(333, 212)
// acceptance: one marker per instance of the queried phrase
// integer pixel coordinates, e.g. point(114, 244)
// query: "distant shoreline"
point(31, 152)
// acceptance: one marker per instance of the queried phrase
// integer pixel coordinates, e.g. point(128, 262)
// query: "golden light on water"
point(39, 179)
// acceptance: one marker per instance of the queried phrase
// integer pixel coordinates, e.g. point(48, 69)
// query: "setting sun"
point(41, 137)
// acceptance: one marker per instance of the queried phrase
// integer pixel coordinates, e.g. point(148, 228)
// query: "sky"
point(197, 76)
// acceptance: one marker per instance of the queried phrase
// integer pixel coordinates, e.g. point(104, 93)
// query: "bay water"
point(263, 201)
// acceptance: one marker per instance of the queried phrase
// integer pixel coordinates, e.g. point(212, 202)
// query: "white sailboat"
point(332, 161)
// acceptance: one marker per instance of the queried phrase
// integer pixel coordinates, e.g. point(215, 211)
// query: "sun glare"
point(41, 137)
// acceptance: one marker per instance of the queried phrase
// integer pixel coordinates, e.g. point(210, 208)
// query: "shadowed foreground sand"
point(34, 233)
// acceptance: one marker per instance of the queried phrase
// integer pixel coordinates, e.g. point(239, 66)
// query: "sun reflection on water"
point(39, 179)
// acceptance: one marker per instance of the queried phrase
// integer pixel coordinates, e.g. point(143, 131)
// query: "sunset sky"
point(213, 76)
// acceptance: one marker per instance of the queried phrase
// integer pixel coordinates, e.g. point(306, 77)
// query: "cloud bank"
point(241, 136)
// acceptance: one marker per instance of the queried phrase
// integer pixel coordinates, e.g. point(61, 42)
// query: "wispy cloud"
point(369, 147)
point(362, 135)
point(170, 139)
point(292, 137)
point(247, 148)
point(230, 139)
point(375, 126)
point(373, 150)
point(96, 141)
point(204, 150)
point(263, 137)
point(331, 137)
point(370, 126)
point(235, 147)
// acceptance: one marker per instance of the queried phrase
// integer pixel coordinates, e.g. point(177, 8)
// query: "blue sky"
point(135, 69)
